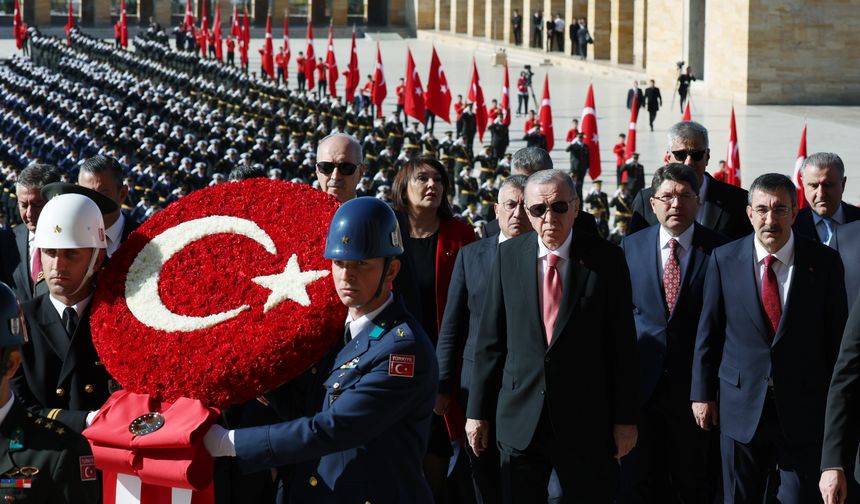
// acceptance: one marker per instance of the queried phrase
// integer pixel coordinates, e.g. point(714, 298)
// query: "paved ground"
point(768, 135)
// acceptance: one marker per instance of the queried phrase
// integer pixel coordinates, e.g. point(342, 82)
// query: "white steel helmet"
point(70, 221)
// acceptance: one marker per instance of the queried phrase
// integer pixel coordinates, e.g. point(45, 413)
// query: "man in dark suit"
point(555, 356)
point(653, 102)
point(765, 349)
point(460, 324)
point(61, 375)
point(517, 27)
point(722, 207)
point(28, 191)
point(104, 175)
point(824, 180)
point(849, 250)
point(636, 92)
point(667, 265)
point(841, 432)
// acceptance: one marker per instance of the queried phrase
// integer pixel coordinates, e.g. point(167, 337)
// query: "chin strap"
point(90, 271)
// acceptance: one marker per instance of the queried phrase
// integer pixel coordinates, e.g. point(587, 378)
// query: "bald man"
point(339, 165)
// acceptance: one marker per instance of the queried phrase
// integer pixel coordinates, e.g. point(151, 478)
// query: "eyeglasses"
point(780, 211)
point(667, 199)
point(345, 168)
point(511, 205)
point(681, 155)
point(559, 207)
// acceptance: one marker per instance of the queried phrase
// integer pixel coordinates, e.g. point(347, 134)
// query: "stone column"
point(621, 37)
point(338, 13)
point(640, 32)
point(443, 14)
point(599, 20)
point(459, 16)
point(528, 9)
point(162, 15)
point(507, 29)
point(475, 17)
point(42, 13)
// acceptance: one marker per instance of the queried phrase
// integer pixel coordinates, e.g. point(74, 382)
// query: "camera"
point(680, 65)
point(529, 74)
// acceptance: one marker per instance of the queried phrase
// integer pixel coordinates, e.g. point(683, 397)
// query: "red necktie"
point(36, 265)
point(770, 295)
point(551, 295)
point(672, 276)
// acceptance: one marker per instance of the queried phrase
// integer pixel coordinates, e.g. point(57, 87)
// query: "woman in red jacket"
point(420, 190)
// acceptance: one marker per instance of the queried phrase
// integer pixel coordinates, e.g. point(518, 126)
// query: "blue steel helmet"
point(363, 228)
point(13, 331)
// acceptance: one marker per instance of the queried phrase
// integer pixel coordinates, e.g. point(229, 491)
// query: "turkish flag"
point(545, 115)
point(438, 96)
point(352, 76)
point(331, 64)
point(414, 100)
point(235, 27)
point(476, 96)
point(189, 17)
point(798, 175)
point(268, 51)
point(204, 29)
point(687, 116)
point(733, 154)
point(286, 48)
point(216, 32)
point(506, 101)
point(378, 92)
point(310, 59)
point(630, 146)
point(70, 23)
point(244, 37)
point(590, 138)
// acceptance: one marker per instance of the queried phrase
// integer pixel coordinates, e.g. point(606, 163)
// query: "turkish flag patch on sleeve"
point(401, 365)
point(88, 468)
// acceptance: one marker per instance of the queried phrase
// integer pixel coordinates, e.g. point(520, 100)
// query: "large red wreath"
point(271, 340)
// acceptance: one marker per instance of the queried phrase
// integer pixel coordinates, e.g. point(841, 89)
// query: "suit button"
point(312, 481)
point(336, 385)
point(313, 370)
point(61, 392)
point(88, 388)
point(542, 392)
point(341, 375)
point(546, 359)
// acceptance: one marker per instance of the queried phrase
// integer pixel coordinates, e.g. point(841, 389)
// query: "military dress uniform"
point(44, 462)
point(368, 441)
point(61, 376)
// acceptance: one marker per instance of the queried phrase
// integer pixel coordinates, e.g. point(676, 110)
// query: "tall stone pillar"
point(621, 36)
point(459, 16)
point(508, 11)
point(161, 13)
point(475, 17)
point(529, 7)
point(339, 12)
point(278, 9)
point(640, 32)
point(41, 13)
point(443, 14)
point(599, 21)
point(425, 14)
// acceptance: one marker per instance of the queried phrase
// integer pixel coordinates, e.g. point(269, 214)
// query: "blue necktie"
point(829, 233)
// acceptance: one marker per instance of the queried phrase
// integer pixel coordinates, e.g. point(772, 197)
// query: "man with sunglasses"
point(766, 348)
point(722, 207)
point(668, 262)
point(555, 360)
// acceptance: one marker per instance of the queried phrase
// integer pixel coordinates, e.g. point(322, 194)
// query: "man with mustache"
point(823, 186)
point(766, 349)
point(668, 263)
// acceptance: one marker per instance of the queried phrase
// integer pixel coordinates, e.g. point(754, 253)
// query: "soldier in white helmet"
point(61, 376)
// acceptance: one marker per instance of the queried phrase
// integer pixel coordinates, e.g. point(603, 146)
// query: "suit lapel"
point(696, 262)
point(744, 266)
point(801, 281)
point(52, 327)
point(527, 271)
point(655, 283)
point(362, 342)
point(572, 289)
point(21, 238)
point(81, 337)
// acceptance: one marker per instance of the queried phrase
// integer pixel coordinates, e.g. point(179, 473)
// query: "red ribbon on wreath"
point(159, 457)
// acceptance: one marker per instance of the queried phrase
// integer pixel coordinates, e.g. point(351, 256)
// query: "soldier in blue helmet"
point(367, 442)
point(40, 460)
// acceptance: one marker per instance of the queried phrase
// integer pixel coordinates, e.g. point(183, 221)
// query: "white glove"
point(219, 442)
point(90, 416)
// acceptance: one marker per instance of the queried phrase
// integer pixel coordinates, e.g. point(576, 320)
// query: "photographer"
point(523, 92)
point(684, 81)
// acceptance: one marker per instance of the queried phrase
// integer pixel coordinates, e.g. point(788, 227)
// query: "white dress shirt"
point(562, 252)
point(783, 268)
point(356, 326)
point(79, 307)
point(114, 234)
point(685, 246)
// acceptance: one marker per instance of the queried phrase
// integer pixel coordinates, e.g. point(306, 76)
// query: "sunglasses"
point(681, 155)
point(327, 168)
point(559, 207)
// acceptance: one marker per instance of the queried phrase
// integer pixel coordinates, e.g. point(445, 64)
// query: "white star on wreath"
point(290, 284)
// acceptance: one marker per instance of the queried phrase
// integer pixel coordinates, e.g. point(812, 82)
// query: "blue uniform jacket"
point(368, 440)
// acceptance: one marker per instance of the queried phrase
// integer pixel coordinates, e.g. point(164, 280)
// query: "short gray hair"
point(516, 181)
point(531, 160)
point(38, 175)
point(552, 176)
point(824, 160)
point(772, 183)
point(686, 130)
